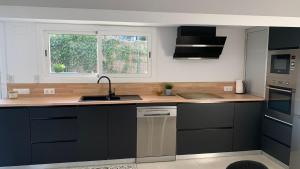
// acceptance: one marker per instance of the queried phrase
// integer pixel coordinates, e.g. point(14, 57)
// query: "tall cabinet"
point(256, 60)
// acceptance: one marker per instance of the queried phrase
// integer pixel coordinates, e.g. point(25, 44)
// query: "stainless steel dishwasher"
point(156, 133)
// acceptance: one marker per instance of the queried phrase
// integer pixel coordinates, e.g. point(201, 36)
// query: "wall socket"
point(228, 88)
point(22, 91)
point(49, 91)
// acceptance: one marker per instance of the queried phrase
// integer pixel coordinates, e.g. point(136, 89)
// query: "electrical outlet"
point(49, 91)
point(22, 91)
point(228, 88)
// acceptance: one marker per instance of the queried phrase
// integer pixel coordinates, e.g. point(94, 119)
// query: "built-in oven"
point(280, 104)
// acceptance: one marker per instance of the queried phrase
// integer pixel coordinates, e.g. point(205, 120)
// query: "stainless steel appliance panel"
point(156, 134)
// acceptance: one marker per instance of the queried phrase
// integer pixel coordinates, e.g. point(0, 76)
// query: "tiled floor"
point(203, 163)
point(208, 163)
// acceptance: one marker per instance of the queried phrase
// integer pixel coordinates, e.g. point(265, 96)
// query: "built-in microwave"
point(282, 67)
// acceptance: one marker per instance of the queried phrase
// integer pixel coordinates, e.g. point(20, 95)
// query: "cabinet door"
point(204, 141)
point(277, 131)
point(276, 149)
point(15, 137)
point(247, 124)
point(284, 38)
point(93, 137)
point(54, 134)
point(204, 116)
point(122, 132)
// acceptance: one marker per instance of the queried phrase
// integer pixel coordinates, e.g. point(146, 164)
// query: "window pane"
point(125, 54)
point(73, 53)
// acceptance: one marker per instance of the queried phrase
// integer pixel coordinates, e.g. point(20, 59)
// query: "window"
point(73, 53)
point(116, 54)
point(125, 54)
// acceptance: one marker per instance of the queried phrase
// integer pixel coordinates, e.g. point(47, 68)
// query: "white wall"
point(2, 63)
point(23, 57)
point(21, 52)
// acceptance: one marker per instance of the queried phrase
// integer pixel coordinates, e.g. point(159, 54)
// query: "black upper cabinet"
point(122, 132)
point(15, 137)
point(247, 126)
point(93, 127)
point(284, 38)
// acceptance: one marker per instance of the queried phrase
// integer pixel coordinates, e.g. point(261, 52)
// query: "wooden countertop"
point(74, 100)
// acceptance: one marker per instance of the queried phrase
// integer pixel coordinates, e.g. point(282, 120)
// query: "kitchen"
point(55, 114)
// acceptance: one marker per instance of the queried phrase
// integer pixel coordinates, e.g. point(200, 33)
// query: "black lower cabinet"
point(54, 134)
point(247, 126)
point(15, 137)
point(82, 133)
point(55, 152)
point(276, 139)
point(93, 133)
point(276, 149)
point(204, 141)
point(122, 132)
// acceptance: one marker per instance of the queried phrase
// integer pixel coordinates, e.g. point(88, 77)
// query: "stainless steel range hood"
point(194, 42)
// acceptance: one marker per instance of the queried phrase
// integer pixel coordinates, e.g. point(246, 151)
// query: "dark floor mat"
point(246, 164)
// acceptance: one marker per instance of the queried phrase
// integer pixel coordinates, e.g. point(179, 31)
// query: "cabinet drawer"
point(203, 116)
point(52, 112)
point(275, 149)
point(204, 141)
point(54, 152)
point(53, 130)
point(278, 131)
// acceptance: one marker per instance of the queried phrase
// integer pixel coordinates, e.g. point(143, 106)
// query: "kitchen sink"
point(112, 98)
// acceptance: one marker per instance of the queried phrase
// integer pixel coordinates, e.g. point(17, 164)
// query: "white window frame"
point(44, 68)
point(3, 67)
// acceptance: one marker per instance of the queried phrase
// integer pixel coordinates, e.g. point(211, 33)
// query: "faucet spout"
point(110, 93)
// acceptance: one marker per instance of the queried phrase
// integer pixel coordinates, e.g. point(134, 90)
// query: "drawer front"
point(277, 150)
point(203, 116)
point(54, 130)
point(54, 152)
point(278, 131)
point(204, 141)
point(52, 112)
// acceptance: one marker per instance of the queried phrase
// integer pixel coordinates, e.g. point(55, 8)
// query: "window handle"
point(46, 52)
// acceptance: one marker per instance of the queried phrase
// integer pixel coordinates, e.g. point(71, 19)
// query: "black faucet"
point(110, 93)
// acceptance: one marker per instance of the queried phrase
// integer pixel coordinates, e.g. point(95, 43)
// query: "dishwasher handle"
point(156, 113)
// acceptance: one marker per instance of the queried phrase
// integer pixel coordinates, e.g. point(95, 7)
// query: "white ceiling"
point(236, 7)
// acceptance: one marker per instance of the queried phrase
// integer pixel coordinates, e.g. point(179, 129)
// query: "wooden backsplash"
point(70, 89)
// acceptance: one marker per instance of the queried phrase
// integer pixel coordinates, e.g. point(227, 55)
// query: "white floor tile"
point(209, 163)
point(181, 164)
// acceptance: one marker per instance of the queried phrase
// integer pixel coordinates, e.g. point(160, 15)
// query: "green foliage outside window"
point(73, 53)
point(125, 54)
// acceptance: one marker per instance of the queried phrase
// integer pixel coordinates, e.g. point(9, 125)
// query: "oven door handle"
point(275, 119)
point(282, 90)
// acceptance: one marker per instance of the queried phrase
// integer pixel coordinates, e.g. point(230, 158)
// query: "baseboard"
point(74, 164)
point(223, 154)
